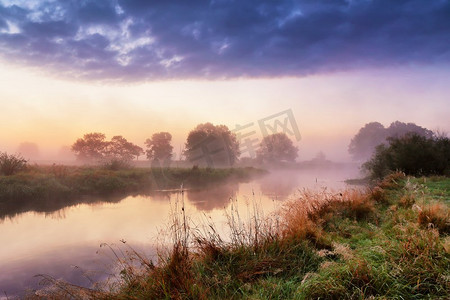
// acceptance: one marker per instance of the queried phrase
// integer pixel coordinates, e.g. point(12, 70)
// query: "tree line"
point(213, 145)
point(402, 146)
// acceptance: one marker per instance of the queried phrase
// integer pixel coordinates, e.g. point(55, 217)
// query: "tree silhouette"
point(91, 147)
point(159, 147)
point(399, 129)
point(120, 149)
point(212, 145)
point(363, 144)
point(276, 148)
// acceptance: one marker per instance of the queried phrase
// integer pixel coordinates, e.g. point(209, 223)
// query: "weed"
point(435, 216)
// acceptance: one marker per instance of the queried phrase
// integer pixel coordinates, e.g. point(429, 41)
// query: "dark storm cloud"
point(135, 40)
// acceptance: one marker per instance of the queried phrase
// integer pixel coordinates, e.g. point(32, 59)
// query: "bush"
point(115, 164)
point(412, 154)
point(436, 216)
point(11, 164)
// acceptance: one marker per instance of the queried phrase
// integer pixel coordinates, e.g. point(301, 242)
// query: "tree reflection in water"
point(215, 196)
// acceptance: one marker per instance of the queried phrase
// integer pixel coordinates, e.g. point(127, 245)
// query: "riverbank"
point(391, 241)
point(49, 188)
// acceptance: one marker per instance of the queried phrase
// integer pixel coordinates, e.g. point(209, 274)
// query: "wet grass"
point(388, 242)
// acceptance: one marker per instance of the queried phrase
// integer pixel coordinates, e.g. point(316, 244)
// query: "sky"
point(134, 68)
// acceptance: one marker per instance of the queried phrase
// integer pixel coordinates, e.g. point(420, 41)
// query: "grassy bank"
point(390, 241)
point(48, 188)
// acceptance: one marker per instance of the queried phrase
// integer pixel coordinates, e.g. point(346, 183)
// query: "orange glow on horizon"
point(329, 109)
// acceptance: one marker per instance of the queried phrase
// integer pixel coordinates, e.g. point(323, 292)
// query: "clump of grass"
point(407, 201)
point(418, 262)
point(436, 215)
point(392, 181)
point(313, 214)
point(378, 195)
point(350, 280)
point(301, 217)
point(410, 193)
point(356, 204)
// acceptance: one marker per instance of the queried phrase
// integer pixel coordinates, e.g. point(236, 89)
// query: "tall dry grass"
point(437, 216)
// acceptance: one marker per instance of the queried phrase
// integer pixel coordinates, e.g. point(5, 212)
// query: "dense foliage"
point(212, 145)
point(412, 154)
point(159, 147)
point(94, 148)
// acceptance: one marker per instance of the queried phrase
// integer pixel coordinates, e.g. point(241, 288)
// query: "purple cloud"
point(131, 40)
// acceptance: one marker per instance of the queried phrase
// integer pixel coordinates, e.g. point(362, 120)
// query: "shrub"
point(436, 215)
point(11, 164)
point(392, 181)
point(115, 164)
point(378, 195)
point(412, 154)
point(407, 201)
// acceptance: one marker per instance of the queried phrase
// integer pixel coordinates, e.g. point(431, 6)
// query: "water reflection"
point(12, 208)
point(279, 185)
point(213, 196)
point(283, 184)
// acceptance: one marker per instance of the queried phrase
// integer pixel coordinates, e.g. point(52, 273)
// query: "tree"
point(11, 164)
point(159, 147)
point(94, 147)
point(212, 145)
point(120, 149)
point(363, 144)
point(399, 129)
point(91, 147)
point(276, 148)
point(320, 157)
point(412, 154)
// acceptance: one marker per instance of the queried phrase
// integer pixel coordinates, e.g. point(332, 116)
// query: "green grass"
point(377, 244)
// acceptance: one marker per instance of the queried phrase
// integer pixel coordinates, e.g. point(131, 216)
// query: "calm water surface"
point(65, 244)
